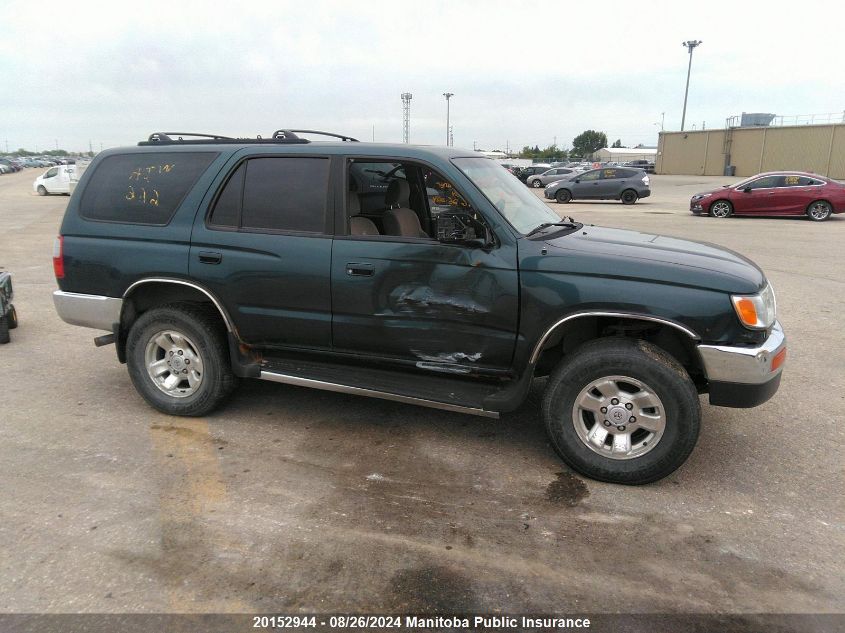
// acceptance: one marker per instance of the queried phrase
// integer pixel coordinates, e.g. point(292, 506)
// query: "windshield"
point(514, 200)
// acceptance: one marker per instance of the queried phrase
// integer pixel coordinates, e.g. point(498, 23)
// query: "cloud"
point(521, 74)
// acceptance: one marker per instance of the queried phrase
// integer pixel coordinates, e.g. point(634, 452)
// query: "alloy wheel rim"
point(819, 211)
point(174, 363)
point(619, 417)
point(721, 209)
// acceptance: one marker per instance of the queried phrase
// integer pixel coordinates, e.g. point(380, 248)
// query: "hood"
point(620, 253)
point(712, 191)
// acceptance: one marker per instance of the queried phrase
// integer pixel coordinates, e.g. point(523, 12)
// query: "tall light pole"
point(406, 117)
point(691, 44)
point(448, 96)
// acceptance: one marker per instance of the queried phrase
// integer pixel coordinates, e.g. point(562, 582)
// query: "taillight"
point(59, 257)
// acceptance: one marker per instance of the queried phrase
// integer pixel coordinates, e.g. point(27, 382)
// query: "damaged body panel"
point(430, 302)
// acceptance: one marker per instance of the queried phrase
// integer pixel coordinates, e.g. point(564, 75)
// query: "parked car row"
point(786, 193)
point(10, 164)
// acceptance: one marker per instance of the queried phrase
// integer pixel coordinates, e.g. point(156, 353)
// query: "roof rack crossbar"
point(293, 134)
point(168, 136)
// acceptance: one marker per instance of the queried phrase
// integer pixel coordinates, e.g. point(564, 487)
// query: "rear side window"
point(275, 194)
point(142, 188)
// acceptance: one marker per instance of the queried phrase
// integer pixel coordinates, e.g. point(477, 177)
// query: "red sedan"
point(774, 193)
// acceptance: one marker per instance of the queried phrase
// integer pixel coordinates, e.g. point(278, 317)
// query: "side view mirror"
point(462, 229)
point(746, 190)
point(577, 180)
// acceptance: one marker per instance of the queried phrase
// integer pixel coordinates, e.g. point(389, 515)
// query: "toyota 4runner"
point(423, 275)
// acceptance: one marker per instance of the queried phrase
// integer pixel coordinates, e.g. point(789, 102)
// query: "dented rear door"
point(441, 305)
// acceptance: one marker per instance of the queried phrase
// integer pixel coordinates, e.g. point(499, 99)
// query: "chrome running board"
point(371, 393)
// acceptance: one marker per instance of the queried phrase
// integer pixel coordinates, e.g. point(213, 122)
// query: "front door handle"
point(360, 270)
point(207, 257)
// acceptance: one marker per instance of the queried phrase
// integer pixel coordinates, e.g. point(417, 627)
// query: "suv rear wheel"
point(178, 359)
point(622, 410)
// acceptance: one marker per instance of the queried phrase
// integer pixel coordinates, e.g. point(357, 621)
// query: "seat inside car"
point(358, 225)
point(399, 219)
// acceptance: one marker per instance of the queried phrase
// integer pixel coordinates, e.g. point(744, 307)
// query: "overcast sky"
point(522, 72)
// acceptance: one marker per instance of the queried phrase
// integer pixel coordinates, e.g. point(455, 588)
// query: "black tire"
point(635, 359)
point(536, 183)
point(13, 318)
point(819, 211)
point(629, 196)
point(42, 190)
point(202, 326)
point(721, 209)
point(563, 196)
point(4, 330)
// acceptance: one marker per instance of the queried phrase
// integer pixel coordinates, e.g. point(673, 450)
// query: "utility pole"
point(448, 96)
point(451, 138)
point(662, 120)
point(406, 116)
point(690, 44)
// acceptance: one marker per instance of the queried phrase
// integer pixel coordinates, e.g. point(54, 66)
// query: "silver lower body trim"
point(94, 311)
point(749, 365)
point(360, 391)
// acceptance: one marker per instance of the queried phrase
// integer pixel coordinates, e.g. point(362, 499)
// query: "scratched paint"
point(424, 299)
point(453, 357)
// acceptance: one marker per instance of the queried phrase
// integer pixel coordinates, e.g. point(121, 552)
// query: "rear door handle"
point(207, 257)
point(360, 270)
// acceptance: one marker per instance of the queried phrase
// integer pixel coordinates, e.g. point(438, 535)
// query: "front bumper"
point(743, 376)
point(94, 311)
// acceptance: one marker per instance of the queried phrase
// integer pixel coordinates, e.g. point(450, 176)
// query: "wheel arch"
point(145, 294)
point(815, 200)
point(568, 333)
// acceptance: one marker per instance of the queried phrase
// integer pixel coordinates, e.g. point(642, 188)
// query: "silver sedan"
point(550, 176)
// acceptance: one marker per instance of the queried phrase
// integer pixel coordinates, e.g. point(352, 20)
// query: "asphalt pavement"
point(290, 499)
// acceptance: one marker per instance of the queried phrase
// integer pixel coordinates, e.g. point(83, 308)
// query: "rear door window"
point(142, 188)
point(275, 194)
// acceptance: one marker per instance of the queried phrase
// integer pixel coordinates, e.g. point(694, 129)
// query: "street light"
point(691, 44)
point(448, 96)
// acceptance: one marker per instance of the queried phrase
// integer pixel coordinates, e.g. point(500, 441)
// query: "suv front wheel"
point(622, 410)
point(178, 359)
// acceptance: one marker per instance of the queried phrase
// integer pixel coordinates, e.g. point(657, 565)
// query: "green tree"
point(616, 143)
point(588, 142)
point(552, 152)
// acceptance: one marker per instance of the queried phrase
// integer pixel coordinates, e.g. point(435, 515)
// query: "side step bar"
point(361, 391)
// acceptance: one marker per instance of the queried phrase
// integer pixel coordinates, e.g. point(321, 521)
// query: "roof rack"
point(292, 134)
point(279, 136)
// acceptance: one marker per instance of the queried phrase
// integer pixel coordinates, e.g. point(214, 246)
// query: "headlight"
point(757, 312)
point(553, 184)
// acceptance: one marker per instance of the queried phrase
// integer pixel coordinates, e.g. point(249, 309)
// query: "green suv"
point(423, 275)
